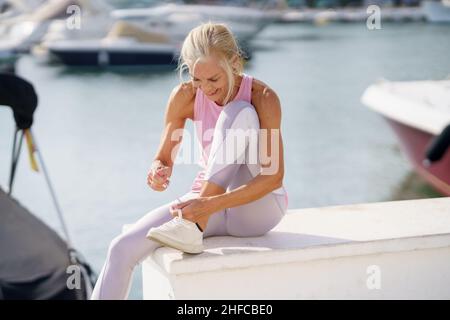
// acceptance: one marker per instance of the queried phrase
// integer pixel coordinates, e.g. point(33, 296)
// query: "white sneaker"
point(180, 234)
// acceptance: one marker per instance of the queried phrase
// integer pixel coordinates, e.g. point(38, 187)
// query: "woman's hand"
point(195, 209)
point(158, 177)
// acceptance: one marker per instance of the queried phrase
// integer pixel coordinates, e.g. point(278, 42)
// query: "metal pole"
point(52, 192)
point(14, 158)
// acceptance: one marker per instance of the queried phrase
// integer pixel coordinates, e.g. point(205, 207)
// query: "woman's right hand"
point(158, 177)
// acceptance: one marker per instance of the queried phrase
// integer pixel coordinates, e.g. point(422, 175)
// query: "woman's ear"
point(234, 62)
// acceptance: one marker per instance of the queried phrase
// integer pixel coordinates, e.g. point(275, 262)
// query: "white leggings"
point(250, 220)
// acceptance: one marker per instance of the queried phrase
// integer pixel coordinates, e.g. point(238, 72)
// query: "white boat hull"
point(113, 53)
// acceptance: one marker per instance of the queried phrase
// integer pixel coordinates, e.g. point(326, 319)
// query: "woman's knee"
point(232, 106)
point(121, 250)
point(238, 114)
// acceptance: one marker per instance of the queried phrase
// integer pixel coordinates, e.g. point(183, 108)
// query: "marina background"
point(99, 129)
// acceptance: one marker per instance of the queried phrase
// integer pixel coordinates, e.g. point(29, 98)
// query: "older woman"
point(239, 191)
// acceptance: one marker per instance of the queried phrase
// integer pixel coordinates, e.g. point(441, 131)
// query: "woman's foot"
point(180, 234)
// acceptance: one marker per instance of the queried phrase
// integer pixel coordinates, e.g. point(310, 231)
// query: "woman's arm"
point(272, 172)
point(177, 111)
point(269, 179)
point(179, 108)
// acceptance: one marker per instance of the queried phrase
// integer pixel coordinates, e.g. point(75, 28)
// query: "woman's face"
point(211, 78)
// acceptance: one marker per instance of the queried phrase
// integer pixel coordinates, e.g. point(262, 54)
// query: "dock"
point(384, 250)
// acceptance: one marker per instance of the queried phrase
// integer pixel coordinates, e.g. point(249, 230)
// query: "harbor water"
point(98, 130)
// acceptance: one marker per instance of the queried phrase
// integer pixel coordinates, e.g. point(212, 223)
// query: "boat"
point(35, 258)
point(14, 8)
point(174, 21)
point(21, 36)
point(436, 11)
point(419, 114)
point(92, 45)
point(36, 263)
point(125, 45)
point(95, 23)
point(26, 27)
point(49, 21)
point(178, 19)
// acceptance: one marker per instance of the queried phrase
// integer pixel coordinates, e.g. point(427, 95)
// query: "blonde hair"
point(210, 38)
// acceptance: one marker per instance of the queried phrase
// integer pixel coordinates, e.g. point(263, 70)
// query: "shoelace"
point(175, 222)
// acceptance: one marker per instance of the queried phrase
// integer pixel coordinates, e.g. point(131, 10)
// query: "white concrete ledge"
point(323, 253)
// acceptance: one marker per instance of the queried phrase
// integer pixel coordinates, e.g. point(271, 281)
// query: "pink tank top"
point(206, 113)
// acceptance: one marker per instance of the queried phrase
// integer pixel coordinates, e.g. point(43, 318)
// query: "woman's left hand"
point(195, 209)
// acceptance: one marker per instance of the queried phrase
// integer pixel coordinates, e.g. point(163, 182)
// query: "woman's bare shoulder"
point(262, 93)
point(182, 99)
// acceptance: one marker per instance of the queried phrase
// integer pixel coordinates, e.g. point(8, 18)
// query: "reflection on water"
point(98, 131)
point(413, 187)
